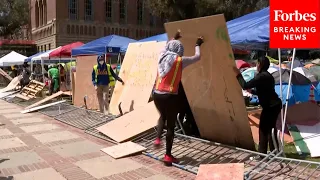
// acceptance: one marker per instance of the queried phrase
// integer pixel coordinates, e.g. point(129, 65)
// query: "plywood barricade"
point(132, 124)
point(142, 76)
point(211, 87)
point(129, 60)
point(83, 82)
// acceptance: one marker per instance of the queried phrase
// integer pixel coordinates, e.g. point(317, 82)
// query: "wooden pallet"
point(31, 90)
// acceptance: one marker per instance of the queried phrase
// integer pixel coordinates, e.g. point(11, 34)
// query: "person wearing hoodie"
point(271, 104)
point(102, 77)
point(170, 65)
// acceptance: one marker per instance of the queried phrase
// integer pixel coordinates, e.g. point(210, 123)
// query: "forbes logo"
point(279, 15)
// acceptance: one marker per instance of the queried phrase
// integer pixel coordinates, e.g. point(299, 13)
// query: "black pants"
point(268, 120)
point(167, 105)
point(23, 83)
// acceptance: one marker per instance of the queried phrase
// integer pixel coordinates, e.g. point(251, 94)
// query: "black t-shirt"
point(264, 84)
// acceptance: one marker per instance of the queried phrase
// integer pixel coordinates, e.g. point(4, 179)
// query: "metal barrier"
point(58, 109)
point(192, 151)
point(82, 118)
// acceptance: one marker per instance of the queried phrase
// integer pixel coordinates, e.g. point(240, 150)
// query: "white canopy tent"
point(12, 58)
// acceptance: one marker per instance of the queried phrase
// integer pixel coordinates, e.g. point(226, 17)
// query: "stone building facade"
point(58, 22)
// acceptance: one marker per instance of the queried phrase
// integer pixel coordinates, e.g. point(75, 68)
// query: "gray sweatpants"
point(103, 98)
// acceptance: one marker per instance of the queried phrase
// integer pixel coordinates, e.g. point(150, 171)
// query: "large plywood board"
point(212, 89)
point(45, 100)
point(4, 74)
point(123, 149)
point(84, 84)
point(12, 85)
point(232, 171)
point(142, 76)
point(131, 124)
point(129, 59)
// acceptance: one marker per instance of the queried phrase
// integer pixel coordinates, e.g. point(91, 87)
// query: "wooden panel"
point(4, 74)
point(123, 149)
point(211, 87)
point(129, 59)
point(142, 76)
point(12, 85)
point(232, 171)
point(45, 100)
point(131, 124)
point(84, 84)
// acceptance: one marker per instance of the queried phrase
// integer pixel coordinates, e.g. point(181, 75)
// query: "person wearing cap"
point(53, 74)
point(103, 77)
point(166, 91)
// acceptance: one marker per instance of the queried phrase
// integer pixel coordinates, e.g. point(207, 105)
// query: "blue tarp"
point(109, 44)
point(298, 93)
point(250, 31)
point(159, 38)
point(29, 58)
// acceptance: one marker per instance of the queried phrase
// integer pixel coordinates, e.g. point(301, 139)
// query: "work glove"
point(177, 35)
point(95, 87)
point(199, 41)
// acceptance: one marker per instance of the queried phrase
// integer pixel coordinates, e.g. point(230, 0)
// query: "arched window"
point(72, 29)
point(77, 29)
point(94, 30)
point(81, 30)
point(85, 30)
point(68, 29)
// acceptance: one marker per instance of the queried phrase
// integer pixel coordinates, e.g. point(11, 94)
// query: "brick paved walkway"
point(36, 147)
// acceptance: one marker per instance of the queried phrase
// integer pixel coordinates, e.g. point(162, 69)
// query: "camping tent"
point(108, 44)
point(13, 58)
point(158, 38)
point(251, 30)
point(65, 51)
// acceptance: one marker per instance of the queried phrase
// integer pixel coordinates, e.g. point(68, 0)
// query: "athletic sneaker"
point(169, 159)
point(157, 142)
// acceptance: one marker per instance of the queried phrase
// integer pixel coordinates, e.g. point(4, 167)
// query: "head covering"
point(173, 49)
point(99, 58)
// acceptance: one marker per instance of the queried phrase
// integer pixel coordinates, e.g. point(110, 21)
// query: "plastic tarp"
point(65, 51)
point(158, 38)
point(44, 55)
point(35, 55)
point(297, 94)
point(109, 44)
point(250, 31)
point(13, 58)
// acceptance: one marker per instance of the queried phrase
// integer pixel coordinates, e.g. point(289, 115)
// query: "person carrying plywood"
point(53, 74)
point(102, 77)
point(166, 98)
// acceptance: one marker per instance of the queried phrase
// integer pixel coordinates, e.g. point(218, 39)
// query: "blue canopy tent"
point(159, 38)
point(112, 44)
point(251, 30)
point(29, 58)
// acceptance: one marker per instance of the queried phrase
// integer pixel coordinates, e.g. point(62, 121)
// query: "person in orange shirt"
point(166, 99)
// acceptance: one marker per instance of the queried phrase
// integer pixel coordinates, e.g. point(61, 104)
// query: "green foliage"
point(185, 9)
point(14, 14)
